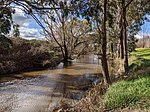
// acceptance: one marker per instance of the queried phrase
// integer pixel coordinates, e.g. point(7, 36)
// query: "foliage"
point(27, 55)
point(132, 43)
point(5, 19)
point(5, 43)
point(69, 33)
point(16, 32)
point(5, 25)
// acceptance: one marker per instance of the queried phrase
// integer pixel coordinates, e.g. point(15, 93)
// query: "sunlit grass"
point(142, 52)
point(135, 90)
point(142, 56)
point(128, 93)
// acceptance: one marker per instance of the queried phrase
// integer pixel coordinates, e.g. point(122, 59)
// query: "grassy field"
point(135, 90)
point(143, 53)
point(142, 57)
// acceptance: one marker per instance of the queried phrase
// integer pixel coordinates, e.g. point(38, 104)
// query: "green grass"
point(128, 93)
point(143, 53)
point(135, 90)
point(142, 58)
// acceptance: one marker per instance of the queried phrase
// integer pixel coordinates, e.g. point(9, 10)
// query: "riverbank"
point(27, 55)
point(42, 91)
point(127, 94)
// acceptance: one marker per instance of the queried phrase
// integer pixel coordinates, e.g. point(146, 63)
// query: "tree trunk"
point(118, 49)
point(121, 43)
point(126, 65)
point(64, 43)
point(65, 54)
point(143, 42)
point(104, 47)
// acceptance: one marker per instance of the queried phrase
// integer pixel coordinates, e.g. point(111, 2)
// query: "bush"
point(27, 55)
point(5, 43)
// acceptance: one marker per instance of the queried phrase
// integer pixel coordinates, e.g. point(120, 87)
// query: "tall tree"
point(16, 32)
point(104, 44)
point(129, 12)
point(124, 12)
point(95, 11)
point(63, 28)
point(5, 24)
point(5, 18)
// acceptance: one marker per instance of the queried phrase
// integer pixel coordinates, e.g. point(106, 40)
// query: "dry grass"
point(91, 103)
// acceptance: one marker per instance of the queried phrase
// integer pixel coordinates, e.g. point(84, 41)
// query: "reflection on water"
point(41, 90)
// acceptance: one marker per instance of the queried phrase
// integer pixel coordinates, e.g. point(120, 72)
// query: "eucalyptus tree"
point(16, 32)
point(54, 20)
point(137, 16)
point(5, 24)
point(47, 9)
point(132, 17)
point(53, 17)
point(96, 12)
point(78, 36)
point(67, 33)
point(5, 18)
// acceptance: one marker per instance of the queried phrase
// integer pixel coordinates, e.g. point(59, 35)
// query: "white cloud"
point(25, 23)
point(30, 33)
point(20, 17)
point(138, 36)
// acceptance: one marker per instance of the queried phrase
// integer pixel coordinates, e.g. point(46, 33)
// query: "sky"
point(145, 28)
point(29, 29)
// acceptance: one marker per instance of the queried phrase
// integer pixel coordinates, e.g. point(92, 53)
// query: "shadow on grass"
point(139, 68)
point(142, 61)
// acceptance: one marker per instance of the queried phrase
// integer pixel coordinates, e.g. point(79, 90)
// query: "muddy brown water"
point(42, 91)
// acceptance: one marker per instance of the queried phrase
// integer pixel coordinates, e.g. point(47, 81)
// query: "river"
point(42, 91)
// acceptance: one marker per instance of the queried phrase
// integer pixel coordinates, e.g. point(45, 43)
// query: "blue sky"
point(146, 27)
point(145, 30)
point(29, 29)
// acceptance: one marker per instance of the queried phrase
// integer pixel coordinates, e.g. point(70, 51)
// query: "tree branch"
point(29, 3)
point(129, 3)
